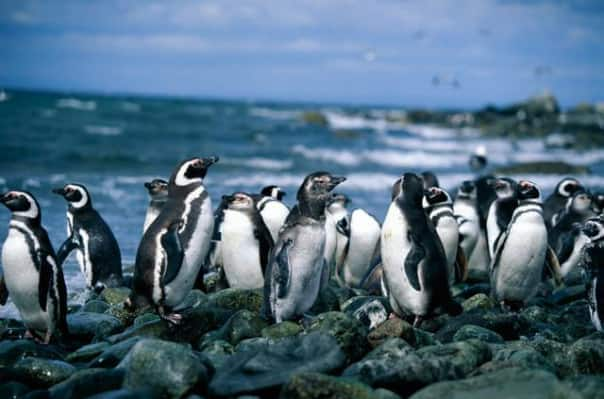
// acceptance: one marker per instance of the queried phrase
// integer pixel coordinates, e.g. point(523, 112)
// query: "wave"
point(435, 132)
point(342, 157)
point(275, 114)
point(259, 180)
point(259, 163)
point(341, 121)
point(99, 130)
point(74, 103)
point(130, 106)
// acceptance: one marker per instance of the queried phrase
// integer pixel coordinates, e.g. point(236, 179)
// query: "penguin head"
point(318, 185)
point(435, 196)
point(273, 192)
point(504, 187)
point(75, 194)
point(21, 203)
point(467, 190)
point(478, 160)
point(568, 186)
point(430, 179)
point(157, 188)
point(192, 171)
point(410, 188)
point(239, 201)
point(597, 202)
point(528, 190)
point(580, 203)
point(337, 201)
point(594, 228)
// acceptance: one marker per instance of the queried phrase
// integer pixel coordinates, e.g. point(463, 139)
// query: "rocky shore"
point(347, 348)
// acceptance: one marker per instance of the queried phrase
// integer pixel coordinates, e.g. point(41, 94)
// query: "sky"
point(454, 54)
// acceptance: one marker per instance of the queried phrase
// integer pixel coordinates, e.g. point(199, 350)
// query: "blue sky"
point(463, 53)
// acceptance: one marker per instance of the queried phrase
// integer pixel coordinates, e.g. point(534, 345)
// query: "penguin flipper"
point(461, 265)
point(282, 273)
point(69, 245)
point(3, 291)
point(172, 246)
point(343, 227)
point(553, 265)
point(45, 278)
point(265, 243)
point(412, 261)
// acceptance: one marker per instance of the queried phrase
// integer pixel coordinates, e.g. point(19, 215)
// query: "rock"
point(506, 383)
point(150, 329)
point(13, 390)
point(198, 321)
point(88, 382)
point(42, 373)
point(479, 301)
point(349, 332)
point(87, 352)
point(281, 330)
point(589, 386)
point(243, 324)
point(315, 385)
point(327, 300)
point(401, 329)
point(464, 356)
point(524, 357)
point(475, 332)
point(236, 299)
point(576, 321)
point(371, 311)
point(468, 290)
point(194, 299)
point(115, 296)
point(217, 352)
point(314, 118)
point(127, 394)
point(554, 352)
point(95, 306)
point(114, 354)
point(509, 325)
point(147, 363)
point(587, 355)
point(11, 329)
point(273, 363)
point(144, 318)
point(567, 295)
point(96, 326)
point(13, 351)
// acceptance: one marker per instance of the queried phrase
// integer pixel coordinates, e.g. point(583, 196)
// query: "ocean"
point(113, 144)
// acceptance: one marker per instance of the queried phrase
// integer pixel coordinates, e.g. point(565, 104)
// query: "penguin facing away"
point(466, 213)
point(158, 191)
point(173, 248)
point(557, 200)
point(32, 276)
point(413, 258)
point(98, 252)
point(337, 232)
point(296, 269)
point(272, 209)
point(363, 247)
point(213, 264)
point(500, 211)
point(592, 263)
point(246, 243)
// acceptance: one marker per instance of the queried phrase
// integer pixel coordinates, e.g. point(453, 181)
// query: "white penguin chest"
point(274, 214)
point(395, 242)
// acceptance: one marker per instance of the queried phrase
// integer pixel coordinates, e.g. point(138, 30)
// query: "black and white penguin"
point(470, 233)
point(521, 251)
point(246, 242)
point(439, 208)
point(363, 247)
point(296, 269)
point(337, 232)
point(174, 247)
point(158, 191)
point(501, 210)
point(430, 179)
point(592, 263)
point(32, 276)
point(597, 202)
point(413, 258)
point(272, 209)
point(212, 267)
point(565, 237)
point(558, 198)
point(478, 160)
point(97, 251)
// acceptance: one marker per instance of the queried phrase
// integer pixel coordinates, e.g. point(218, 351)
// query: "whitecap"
point(57, 177)
point(103, 130)
point(74, 103)
point(259, 163)
point(342, 157)
point(435, 132)
point(263, 179)
point(130, 106)
point(276, 114)
point(342, 121)
point(31, 182)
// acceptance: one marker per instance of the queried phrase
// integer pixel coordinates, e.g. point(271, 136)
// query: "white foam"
point(74, 103)
point(103, 130)
point(31, 182)
point(435, 132)
point(130, 106)
point(276, 114)
point(263, 179)
point(342, 157)
point(342, 121)
point(259, 163)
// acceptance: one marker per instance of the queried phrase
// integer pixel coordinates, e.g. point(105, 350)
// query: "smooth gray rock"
point(317, 386)
point(97, 326)
point(12, 351)
point(114, 354)
point(350, 333)
point(475, 332)
point(95, 306)
point(42, 373)
point(87, 382)
point(590, 386)
point(87, 352)
point(13, 390)
point(242, 325)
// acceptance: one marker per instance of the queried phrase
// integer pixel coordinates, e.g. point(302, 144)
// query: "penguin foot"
point(28, 335)
point(173, 318)
point(393, 316)
point(47, 338)
point(418, 320)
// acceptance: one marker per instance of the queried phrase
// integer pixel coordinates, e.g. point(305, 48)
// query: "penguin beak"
point(59, 191)
point(210, 161)
point(4, 198)
point(147, 185)
point(335, 180)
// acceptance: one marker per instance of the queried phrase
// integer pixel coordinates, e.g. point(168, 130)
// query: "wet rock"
point(576, 321)
point(151, 329)
point(464, 356)
point(87, 352)
point(524, 357)
point(273, 363)
point(13, 351)
point(328, 299)
point(554, 352)
point(315, 385)
point(236, 299)
point(139, 393)
point(194, 299)
point(401, 329)
point(147, 363)
point(11, 329)
point(144, 318)
point(467, 290)
point(587, 355)
point(509, 325)
point(475, 332)
point(589, 386)
point(479, 301)
point(114, 354)
point(281, 330)
point(567, 295)
point(13, 390)
point(314, 118)
point(87, 382)
point(507, 383)
point(42, 373)
point(115, 296)
point(243, 324)
point(349, 332)
point(198, 321)
point(95, 306)
point(97, 326)
point(371, 311)
point(217, 352)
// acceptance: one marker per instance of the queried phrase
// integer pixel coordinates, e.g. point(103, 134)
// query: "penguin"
point(32, 276)
point(413, 258)
point(565, 237)
point(212, 265)
point(363, 247)
point(593, 266)
point(466, 213)
point(337, 232)
point(98, 252)
point(246, 243)
point(597, 204)
point(173, 248)
point(296, 269)
point(373, 281)
point(558, 198)
point(500, 211)
point(272, 209)
point(430, 179)
point(520, 255)
point(439, 208)
point(478, 160)
point(158, 191)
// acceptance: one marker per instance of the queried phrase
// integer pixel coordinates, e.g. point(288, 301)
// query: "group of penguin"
point(496, 229)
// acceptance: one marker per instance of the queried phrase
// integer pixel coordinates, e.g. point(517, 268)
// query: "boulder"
point(13, 351)
point(87, 352)
point(95, 306)
point(113, 355)
point(587, 355)
point(470, 331)
point(42, 373)
point(243, 324)
point(396, 327)
point(236, 299)
point(115, 296)
point(350, 333)
point(87, 382)
point(317, 386)
point(281, 330)
point(93, 326)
